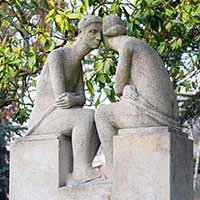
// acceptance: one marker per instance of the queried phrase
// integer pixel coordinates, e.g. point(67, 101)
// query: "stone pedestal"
point(38, 168)
point(152, 164)
point(149, 164)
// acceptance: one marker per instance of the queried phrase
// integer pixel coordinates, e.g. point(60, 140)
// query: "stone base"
point(88, 192)
point(152, 164)
point(149, 164)
point(39, 166)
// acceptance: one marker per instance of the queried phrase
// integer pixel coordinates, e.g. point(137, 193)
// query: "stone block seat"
point(153, 163)
point(39, 165)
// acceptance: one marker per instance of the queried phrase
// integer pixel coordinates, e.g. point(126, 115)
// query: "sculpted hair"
point(113, 26)
point(87, 20)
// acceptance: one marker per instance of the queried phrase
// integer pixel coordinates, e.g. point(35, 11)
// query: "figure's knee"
point(87, 116)
point(102, 113)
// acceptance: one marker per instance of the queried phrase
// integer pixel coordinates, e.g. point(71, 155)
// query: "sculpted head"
point(90, 28)
point(112, 26)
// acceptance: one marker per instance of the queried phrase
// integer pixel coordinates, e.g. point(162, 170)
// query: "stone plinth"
point(152, 164)
point(38, 168)
point(86, 192)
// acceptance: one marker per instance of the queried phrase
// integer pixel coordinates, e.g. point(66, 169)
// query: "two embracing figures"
point(147, 97)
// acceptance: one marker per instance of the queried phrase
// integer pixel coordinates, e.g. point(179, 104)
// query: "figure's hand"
point(130, 92)
point(65, 100)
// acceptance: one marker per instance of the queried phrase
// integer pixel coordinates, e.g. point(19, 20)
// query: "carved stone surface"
point(152, 158)
point(147, 97)
point(60, 87)
point(149, 163)
point(152, 164)
point(36, 166)
point(39, 165)
point(60, 97)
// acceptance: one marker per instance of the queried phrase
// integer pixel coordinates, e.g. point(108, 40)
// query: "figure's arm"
point(80, 91)
point(123, 70)
point(73, 99)
point(64, 99)
point(56, 73)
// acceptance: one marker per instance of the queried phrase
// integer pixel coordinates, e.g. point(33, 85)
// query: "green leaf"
point(107, 67)
point(67, 25)
point(102, 78)
point(16, 61)
point(188, 8)
point(196, 12)
point(149, 2)
point(50, 15)
point(58, 19)
point(181, 74)
point(107, 91)
point(169, 12)
point(75, 15)
point(99, 65)
point(152, 2)
point(176, 43)
point(168, 26)
point(43, 40)
point(97, 103)
point(90, 87)
point(85, 4)
point(161, 47)
point(136, 2)
point(179, 42)
point(21, 115)
point(194, 85)
point(52, 46)
point(197, 38)
point(32, 61)
point(108, 79)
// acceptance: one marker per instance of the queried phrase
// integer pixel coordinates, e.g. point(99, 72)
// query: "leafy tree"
point(30, 29)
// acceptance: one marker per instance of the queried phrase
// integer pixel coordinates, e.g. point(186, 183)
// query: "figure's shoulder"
point(128, 44)
point(55, 55)
point(134, 44)
point(131, 40)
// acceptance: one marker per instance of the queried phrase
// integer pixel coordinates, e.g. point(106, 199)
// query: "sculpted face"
point(91, 36)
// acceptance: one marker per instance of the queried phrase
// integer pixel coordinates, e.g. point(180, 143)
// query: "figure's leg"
point(110, 118)
point(79, 124)
point(104, 121)
point(85, 143)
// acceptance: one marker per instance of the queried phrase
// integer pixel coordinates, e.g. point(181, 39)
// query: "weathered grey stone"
point(36, 166)
point(91, 192)
point(152, 164)
point(60, 97)
point(147, 97)
point(39, 165)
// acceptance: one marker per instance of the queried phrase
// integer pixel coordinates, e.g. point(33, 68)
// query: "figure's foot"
point(71, 182)
point(90, 176)
point(107, 172)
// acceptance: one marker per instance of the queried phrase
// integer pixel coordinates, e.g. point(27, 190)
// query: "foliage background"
point(30, 29)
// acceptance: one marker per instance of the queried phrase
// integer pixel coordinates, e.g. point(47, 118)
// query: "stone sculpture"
point(142, 82)
point(60, 97)
point(152, 159)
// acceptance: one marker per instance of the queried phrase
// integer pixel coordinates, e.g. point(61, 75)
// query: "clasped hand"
point(130, 92)
point(65, 100)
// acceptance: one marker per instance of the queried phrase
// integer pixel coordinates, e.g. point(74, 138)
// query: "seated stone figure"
point(147, 97)
point(60, 97)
